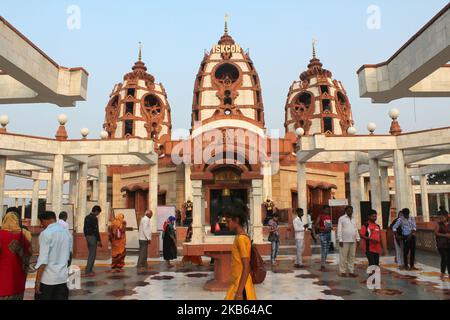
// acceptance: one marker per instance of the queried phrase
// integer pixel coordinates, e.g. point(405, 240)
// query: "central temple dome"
point(227, 86)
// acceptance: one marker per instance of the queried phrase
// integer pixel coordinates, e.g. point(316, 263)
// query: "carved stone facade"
point(318, 103)
point(138, 107)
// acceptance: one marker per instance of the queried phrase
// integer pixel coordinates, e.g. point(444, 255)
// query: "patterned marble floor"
point(282, 282)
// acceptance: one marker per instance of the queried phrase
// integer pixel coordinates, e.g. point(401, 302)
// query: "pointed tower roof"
point(315, 66)
point(139, 70)
point(226, 38)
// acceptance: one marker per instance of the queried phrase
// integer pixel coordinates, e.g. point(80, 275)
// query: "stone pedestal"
point(153, 248)
point(222, 270)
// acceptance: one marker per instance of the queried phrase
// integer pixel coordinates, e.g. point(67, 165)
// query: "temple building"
point(227, 104)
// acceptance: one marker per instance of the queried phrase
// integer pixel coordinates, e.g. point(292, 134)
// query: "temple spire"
point(314, 41)
point(140, 51)
point(226, 24)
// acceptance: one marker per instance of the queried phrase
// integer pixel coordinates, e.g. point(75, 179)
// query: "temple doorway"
point(223, 197)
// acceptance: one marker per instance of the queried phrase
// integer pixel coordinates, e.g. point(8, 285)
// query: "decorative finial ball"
point(300, 132)
point(371, 127)
point(104, 135)
point(351, 131)
point(84, 132)
point(394, 114)
point(4, 120)
point(62, 119)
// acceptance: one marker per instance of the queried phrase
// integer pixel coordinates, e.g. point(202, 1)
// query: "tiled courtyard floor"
point(282, 282)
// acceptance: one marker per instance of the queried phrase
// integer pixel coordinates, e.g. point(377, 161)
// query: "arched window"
point(328, 125)
point(227, 73)
point(152, 104)
point(305, 99)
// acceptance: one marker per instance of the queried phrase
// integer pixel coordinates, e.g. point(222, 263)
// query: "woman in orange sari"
point(241, 287)
point(15, 253)
point(117, 236)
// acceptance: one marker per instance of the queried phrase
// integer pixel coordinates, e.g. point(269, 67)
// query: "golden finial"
point(140, 51)
point(314, 41)
point(226, 23)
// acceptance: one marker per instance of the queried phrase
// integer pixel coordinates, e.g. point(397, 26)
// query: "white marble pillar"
point(49, 189)
point(35, 203)
point(402, 191)
point(95, 191)
point(197, 227)
point(355, 193)
point(384, 181)
point(438, 201)
point(16, 202)
point(188, 184)
point(412, 196)
point(256, 216)
point(22, 211)
point(362, 188)
point(375, 189)
point(73, 188)
point(424, 198)
point(82, 197)
point(302, 190)
point(153, 194)
point(250, 207)
point(2, 185)
point(267, 180)
point(446, 202)
point(102, 197)
point(57, 183)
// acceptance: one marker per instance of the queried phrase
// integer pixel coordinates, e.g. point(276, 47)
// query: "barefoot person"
point(92, 234)
point(169, 241)
point(145, 238)
point(117, 236)
point(325, 226)
point(241, 287)
point(371, 232)
point(299, 230)
point(274, 238)
point(348, 238)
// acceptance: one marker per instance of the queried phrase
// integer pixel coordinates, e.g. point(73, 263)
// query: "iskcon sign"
point(226, 48)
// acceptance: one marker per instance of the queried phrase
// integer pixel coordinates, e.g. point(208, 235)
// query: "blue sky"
point(176, 33)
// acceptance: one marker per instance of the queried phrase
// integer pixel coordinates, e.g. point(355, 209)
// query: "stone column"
point(402, 192)
point(355, 193)
point(2, 185)
point(57, 183)
point(49, 189)
point(375, 189)
point(412, 196)
point(73, 188)
point(82, 196)
point(102, 197)
point(256, 214)
point(35, 203)
point(438, 200)
point(384, 180)
point(153, 194)
point(22, 211)
point(16, 202)
point(250, 203)
point(446, 201)
point(424, 198)
point(267, 181)
point(362, 188)
point(302, 190)
point(188, 184)
point(197, 228)
point(95, 190)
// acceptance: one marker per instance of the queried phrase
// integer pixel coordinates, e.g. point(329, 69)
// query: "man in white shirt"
point(145, 237)
point(63, 220)
point(299, 230)
point(348, 238)
point(55, 247)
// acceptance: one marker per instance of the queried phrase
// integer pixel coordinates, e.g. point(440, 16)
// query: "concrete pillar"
point(402, 191)
point(82, 197)
point(16, 202)
point(375, 189)
point(355, 193)
point(255, 217)
point(153, 194)
point(438, 201)
point(267, 181)
point(424, 198)
point(412, 197)
point(251, 203)
point(73, 188)
point(35, 203)
point(197, 228)
point(2, 185)
point(302, 190)
point(446, 202)
point(22, 211)
point(188, 185)
point(384, 181)
point(362, 188)
point(95, 190)
point(57, 183)
point(102, 197)
point(49, 189)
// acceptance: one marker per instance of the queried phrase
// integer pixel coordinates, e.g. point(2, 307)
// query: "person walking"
point(92, 235)
point(118, 239)
point(408, 232)
point(398, 242)
point(299, 230)
point(55, 246)
point(145, 238)
point(169, 241)
point(325, 226)
point(442, 232)
point(371, 233)
point(15, 254)
point(274, 238)
point(348, 238)
point(62, 220)
point(241, 285)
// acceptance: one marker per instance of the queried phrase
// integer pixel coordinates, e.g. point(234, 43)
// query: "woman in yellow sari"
point(241, 287)
point(117, 236)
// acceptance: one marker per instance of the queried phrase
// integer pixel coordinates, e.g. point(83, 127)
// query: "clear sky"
point(176, 33)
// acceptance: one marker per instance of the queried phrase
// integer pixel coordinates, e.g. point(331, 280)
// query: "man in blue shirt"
point(408, 231)
point(55, 248)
